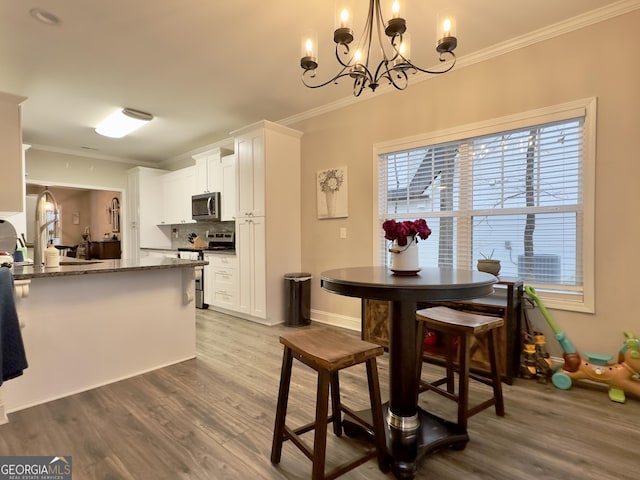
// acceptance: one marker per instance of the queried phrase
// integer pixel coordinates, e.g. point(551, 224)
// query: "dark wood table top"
point(430, 283)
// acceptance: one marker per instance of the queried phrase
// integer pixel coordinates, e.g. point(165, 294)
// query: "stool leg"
point(376, 414)
point(495, 372)
point(281, 410)
point(449, 355)
point(322, 413)
point(420, 333)
point(336, 407)
point(463, 375)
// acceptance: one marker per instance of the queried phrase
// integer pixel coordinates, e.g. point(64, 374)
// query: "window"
point(516, 189)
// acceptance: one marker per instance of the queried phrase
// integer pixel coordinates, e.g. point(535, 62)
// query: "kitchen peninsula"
point(87, 324)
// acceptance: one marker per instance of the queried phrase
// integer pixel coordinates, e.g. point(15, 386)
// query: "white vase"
point(404, 258)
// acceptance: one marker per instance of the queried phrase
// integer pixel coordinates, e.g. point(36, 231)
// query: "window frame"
point(584, 107)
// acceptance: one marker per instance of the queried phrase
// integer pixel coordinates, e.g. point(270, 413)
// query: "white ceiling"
point(205, 67)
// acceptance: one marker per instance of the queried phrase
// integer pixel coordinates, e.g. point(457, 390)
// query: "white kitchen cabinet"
point(250, 249)
point(144, 208)
point(250, 170)
point(208, 178)
point(216, 172)
point(221, 281)
point(268, 223)
point(229, 188)
point(177, 189)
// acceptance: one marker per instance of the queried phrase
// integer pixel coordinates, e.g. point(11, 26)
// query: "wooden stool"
point(453, 323)
point(327, 351)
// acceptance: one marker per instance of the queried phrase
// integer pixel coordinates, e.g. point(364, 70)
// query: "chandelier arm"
point(401, 75)
point(433, 72)
point(345, 52)
point(358, 85)
point(334, 79)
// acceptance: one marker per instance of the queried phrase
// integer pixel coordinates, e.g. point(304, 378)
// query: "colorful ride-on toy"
point(621, 374)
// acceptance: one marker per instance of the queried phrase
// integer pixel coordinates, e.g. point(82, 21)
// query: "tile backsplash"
point(200, 229)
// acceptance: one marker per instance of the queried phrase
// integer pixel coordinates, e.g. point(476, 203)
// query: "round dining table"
point(411, 431)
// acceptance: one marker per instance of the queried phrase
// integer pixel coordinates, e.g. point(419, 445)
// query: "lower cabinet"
point(104, 250)
point(221, 281)
point(250, 245)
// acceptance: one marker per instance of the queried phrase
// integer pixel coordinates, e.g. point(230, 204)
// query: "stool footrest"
point(358, 419)
point(481, 379)
point(298, 442)
point(424, 386)
point(310, 426)
point(481, 406)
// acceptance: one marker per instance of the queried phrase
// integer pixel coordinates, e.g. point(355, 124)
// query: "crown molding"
point(575, 23)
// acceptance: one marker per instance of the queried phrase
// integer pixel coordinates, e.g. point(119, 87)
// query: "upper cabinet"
point(144, 209)
point(229, 188)
point(177, 189)
point(12, 192)
point(209, 170)
point(216, 172)
point(250, 167)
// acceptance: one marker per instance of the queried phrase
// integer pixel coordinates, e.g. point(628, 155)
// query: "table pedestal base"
point(406, 448)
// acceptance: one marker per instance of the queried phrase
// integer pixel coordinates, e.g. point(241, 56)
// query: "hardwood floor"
point(212, 418)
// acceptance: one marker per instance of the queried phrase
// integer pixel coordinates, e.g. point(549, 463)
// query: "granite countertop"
point(73, 266)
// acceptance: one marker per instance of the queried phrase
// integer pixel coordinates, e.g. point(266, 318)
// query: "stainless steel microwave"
point(206, 207)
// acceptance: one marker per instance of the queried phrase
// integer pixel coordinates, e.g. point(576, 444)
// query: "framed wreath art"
point(332, 193)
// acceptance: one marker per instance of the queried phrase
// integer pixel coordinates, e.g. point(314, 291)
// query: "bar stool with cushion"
point(464, 325)
point(327, 351)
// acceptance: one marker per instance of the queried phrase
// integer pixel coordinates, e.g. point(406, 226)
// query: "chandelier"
point(357, 64)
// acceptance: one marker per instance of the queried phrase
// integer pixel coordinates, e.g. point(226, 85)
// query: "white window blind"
point(515, 195)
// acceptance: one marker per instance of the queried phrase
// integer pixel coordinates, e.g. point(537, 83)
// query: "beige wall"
point(573, 66)
point(100, 201)
point(63, 169)
point(91, 207)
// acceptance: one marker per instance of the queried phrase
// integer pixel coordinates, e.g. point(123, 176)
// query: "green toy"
point(621, 376)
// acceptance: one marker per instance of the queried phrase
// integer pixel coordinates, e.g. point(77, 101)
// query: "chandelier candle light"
point(404, 250)
point(357, 63)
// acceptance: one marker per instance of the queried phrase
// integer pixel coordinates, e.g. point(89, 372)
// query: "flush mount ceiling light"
point(123, 122)
point(45, 17)
point(356, 62)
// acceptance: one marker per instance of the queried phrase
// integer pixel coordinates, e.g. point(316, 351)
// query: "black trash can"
point(297, 299)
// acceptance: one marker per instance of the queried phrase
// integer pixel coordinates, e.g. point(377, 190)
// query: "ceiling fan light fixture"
point(123, 122)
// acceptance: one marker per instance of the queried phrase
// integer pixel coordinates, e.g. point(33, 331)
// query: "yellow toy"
point(621, 376)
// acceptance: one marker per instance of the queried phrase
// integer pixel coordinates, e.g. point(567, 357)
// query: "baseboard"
point(251, 318)
point(336, 320)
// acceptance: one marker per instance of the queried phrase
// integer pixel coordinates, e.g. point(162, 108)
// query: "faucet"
point(41, 239)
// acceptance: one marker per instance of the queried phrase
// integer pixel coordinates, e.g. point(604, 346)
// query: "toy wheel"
point(561, 380)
